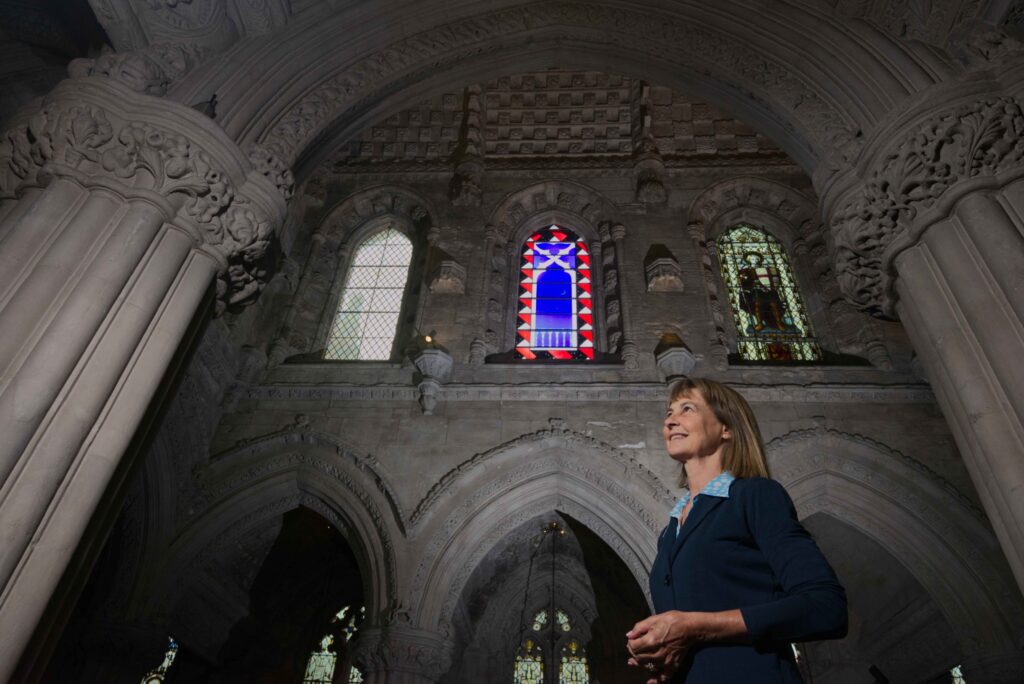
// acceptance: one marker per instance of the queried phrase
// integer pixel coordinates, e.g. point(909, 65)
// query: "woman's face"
point(692, 430)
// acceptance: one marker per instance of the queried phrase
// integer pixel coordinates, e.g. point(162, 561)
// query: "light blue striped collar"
point(717, 487)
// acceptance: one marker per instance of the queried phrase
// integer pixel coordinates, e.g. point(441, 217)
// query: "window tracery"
point(529, 664)
point(555, 305)
point(366, 320)
point(771, 320)
point(564, 650)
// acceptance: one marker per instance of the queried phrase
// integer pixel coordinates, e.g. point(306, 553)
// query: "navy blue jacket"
point(748, 551)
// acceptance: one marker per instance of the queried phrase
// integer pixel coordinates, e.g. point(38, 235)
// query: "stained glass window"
point(367, 318)
point(555, 313)
point(321, 663)
point(539, 620)
point(957, 675)
point(770, 318)
point(529, 665)
point(157, 675)
point(574, 668)
point(563, 620)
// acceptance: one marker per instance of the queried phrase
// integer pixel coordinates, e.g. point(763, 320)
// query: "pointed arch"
point(611, 494)
point(916, 516)
point(246, 490)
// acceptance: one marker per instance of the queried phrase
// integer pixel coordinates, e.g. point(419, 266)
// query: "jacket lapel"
point(702, 506)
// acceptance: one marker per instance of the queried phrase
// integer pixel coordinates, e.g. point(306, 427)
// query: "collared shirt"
point(719, 487)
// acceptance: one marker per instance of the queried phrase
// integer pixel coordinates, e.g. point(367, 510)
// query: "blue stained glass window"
point(771, 322)
point(371, 300)
point(555, 314)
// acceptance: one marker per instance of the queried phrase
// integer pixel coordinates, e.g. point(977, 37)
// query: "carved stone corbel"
point(662, 269)
point(435, 367)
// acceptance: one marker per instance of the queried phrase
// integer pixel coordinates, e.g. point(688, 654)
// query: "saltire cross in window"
point(555, 313)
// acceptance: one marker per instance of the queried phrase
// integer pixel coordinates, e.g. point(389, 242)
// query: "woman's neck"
point(702, 470)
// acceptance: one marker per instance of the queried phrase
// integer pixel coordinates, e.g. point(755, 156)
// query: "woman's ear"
point(726, 433)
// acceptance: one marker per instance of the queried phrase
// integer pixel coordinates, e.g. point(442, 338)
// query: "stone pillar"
point(125, 210)
point(630, 354)
point(718, 347)
point(935, 235)
point(399, 654)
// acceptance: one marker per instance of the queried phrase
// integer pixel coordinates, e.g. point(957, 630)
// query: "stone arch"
point(345, 226)
point(248, 488)
point(787, 213)
point(916, 516)
point(611, 494)
point(570, 204)
point(809, 97)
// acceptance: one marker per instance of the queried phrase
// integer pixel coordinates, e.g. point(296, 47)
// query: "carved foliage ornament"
point(980, 138)
point(150, 70)
point(86, 141)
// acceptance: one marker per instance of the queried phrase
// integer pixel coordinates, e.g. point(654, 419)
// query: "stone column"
point(935, 235)
point(400, 654)
point(125, 210)
point(718, 347)
point(630, 354)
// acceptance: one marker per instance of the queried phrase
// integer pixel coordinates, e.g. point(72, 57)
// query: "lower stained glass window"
point(770, 318)
point(529, 665)
point(367, 318)
point(574, 668)
point(321, 664)
point(555, 313)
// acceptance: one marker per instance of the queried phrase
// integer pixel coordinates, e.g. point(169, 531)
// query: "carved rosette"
point(93, 144)
point(980, 138)
point(401, 649)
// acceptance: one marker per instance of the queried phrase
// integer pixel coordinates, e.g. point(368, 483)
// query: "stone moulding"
point(898, 394)
point(98, 133)
point(663, 35)
point(979, 138)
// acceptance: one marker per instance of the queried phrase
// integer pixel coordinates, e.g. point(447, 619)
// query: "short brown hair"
point(743, 455)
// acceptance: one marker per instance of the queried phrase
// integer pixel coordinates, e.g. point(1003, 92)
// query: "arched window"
point(321, 663)
point(574, 668)
point(529, 665)
point(770, 318)
point(555, 312)
point(366, 321)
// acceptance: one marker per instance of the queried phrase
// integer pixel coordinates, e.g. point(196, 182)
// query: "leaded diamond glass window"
point(771, 321)
point(366, 321)
point(529, 664)
point(555, 312)
point(573, 668)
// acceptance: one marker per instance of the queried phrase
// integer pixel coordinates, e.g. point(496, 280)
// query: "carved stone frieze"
point(978, 138)
point(397, 648)
point(663, 36)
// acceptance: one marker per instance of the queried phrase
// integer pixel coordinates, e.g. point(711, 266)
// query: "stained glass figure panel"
point(321, 663)
point(529, 664)
point(771, 320)
point(371, 301)
point(555, 314)
point(574, 668)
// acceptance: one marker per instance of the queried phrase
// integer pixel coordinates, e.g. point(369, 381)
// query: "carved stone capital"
point(273, 168)
point(618, 232)
point(448, 278)
point(983, 137)
point(396, 649)
point(97, 132)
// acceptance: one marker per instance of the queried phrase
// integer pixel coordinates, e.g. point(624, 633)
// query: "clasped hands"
point(659, 644)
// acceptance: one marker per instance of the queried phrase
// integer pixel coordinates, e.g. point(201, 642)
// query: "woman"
point(736, 578)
